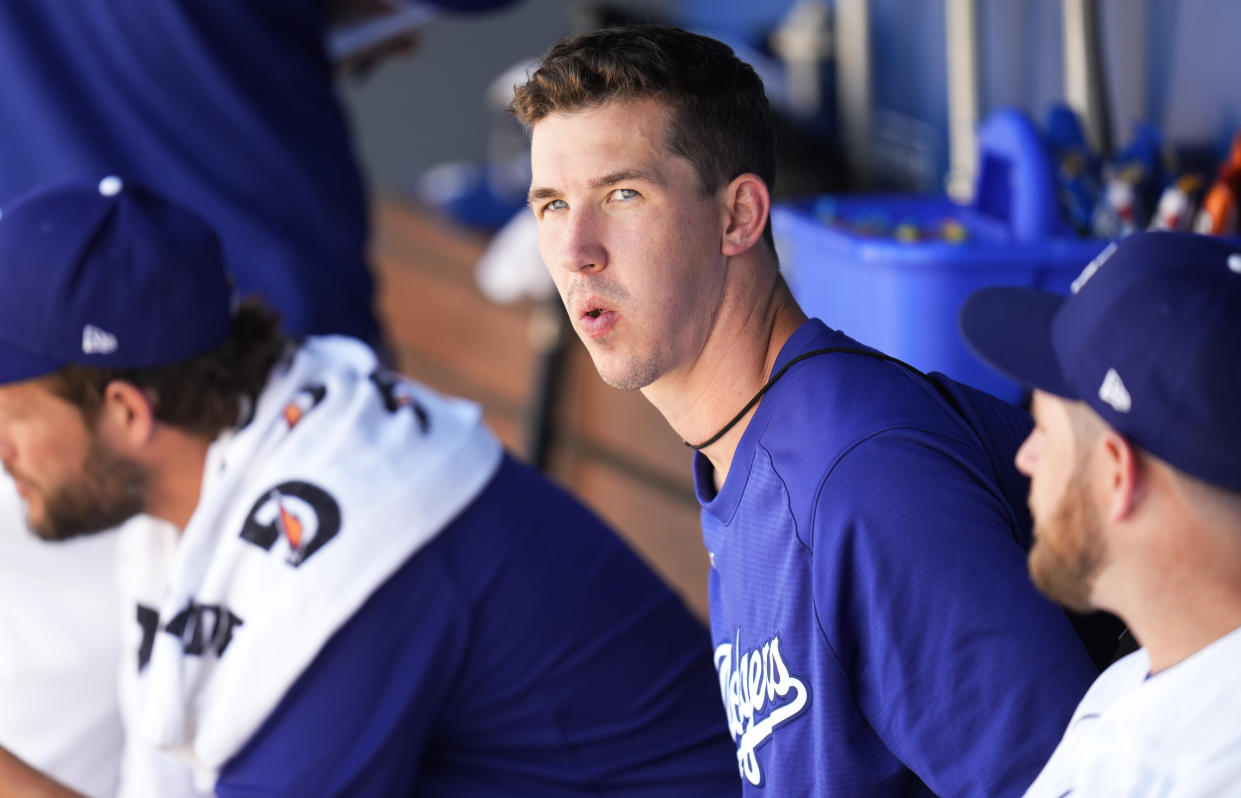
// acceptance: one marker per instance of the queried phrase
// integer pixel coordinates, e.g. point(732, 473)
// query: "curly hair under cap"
point(202, 396)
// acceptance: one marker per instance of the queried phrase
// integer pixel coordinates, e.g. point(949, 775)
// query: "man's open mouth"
point(597, 320)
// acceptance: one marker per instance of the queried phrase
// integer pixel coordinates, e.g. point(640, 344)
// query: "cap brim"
point(1009, 329)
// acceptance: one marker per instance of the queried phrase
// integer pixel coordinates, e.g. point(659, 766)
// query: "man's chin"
point(1065, 582)
point(622, 382)
point(59, 531)
point(61, 535)
point(625, 376)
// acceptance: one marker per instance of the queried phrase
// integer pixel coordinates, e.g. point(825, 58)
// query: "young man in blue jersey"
point(874, 630)
point(351, 590)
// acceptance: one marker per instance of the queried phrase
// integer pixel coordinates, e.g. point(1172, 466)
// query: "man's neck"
point(1178, 637)
point(734, 364)
point(1184, 607)
point(176, 478)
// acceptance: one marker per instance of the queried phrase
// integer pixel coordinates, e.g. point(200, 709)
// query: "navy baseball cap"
point(109, 275)
point(1150, 338)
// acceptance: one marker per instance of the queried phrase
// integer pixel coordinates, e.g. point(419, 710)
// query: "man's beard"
point(110, 490)
point(1068, 548)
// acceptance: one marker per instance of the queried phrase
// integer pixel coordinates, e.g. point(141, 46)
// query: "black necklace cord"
point(772, 381)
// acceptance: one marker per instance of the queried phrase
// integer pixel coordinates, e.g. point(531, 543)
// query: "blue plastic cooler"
point(902, 297)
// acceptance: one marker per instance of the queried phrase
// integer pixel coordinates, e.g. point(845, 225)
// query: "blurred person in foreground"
point(229, 107)
point(354, 590)
point(225, 106)
point(1135, 468)
point(874, 630)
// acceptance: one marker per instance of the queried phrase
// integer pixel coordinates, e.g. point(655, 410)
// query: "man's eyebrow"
point(624, 176)
point(541, 193)
point(538, 193)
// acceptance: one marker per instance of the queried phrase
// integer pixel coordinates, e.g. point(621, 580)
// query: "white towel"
point(339, 477)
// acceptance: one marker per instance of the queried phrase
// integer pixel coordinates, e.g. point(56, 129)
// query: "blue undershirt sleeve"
point(962, 668)
point(356, 722)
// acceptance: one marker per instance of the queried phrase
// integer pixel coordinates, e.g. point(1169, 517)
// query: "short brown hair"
point(201, 396)
point(721, 119)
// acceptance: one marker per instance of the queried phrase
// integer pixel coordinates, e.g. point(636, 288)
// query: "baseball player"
point(353, 591)
point(1135, 467)
point(874, 633)
point(228, 106)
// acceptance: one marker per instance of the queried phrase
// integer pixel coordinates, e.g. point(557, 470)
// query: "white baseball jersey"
point(59, 646)
point(1176, 733)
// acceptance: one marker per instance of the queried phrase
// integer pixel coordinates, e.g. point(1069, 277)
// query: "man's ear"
point(747, 205)
point(1122, 473)
point(127, 416)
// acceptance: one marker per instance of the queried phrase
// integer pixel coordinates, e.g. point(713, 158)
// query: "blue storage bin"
point(903, 298)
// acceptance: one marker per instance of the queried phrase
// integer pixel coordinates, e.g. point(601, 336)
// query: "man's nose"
point(1027, 456)
point(582, 248)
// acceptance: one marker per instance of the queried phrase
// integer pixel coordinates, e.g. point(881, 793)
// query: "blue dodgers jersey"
point(875, 631)
point(225, 106)
point(526, 651)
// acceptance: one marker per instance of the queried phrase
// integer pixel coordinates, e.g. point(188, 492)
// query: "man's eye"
point(556, 205)
point(624, 194)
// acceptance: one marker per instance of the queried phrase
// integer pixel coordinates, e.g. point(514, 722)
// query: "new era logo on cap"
point(96, 341)
point(1113, 392)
